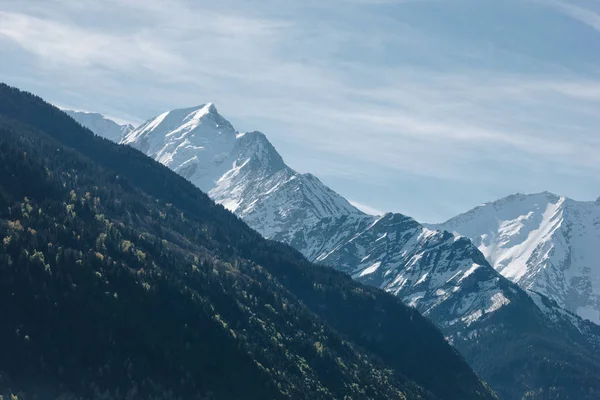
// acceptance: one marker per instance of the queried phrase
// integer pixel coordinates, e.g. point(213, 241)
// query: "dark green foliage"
point(120, 278)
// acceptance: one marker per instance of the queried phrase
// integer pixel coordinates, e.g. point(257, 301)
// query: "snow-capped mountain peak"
point(242, 171)
point(543, 242)
point(257, 145)
point(183, 131)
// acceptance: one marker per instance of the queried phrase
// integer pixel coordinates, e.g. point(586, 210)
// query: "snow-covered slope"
point(241, 171)
point(543, 242)
point(101, 125)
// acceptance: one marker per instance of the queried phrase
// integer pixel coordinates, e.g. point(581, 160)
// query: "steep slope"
point(100, 125)
point(242, 171)
point(120, 279)
point(543, 242)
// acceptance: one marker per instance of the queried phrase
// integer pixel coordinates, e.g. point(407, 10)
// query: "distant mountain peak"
point(255, 146)
point(100, 124)
point(543, 242)
point(211, 108)
point(523, 196)
point(191, 139)
point(242, 171)
point(203, 110)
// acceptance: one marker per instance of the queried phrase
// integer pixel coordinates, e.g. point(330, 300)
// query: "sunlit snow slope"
point(543, 242)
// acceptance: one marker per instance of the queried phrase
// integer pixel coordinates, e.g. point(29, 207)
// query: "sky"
point(424, 107)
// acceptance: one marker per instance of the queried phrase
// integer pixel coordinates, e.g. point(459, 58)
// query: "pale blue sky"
point(425, 107)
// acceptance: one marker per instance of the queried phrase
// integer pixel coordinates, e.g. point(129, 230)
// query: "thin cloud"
point(366, 209)
point(579, 13)
point(64, 44)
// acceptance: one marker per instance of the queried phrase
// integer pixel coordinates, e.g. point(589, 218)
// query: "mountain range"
point(490, 316)
point(119, 279)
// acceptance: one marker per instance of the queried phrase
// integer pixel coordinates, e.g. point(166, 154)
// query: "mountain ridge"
point(542, 241)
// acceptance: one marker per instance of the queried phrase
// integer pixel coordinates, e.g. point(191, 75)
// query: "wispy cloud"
point(366, 209)
point(74, 46)
point(582, 14)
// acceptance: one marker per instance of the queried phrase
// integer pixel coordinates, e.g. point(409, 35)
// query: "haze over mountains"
point(445, 277)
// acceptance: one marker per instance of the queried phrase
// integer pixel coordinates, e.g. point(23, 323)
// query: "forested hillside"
point(120, 279)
